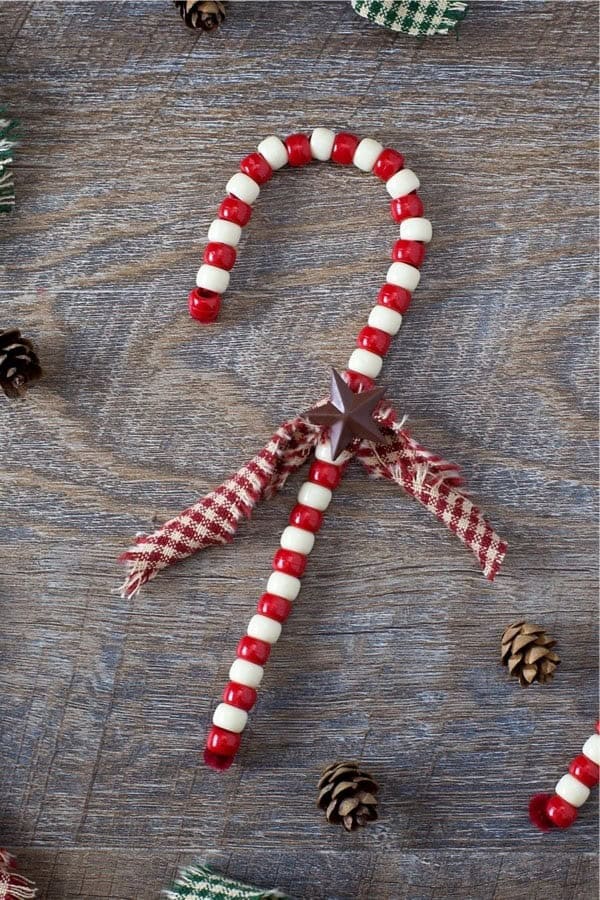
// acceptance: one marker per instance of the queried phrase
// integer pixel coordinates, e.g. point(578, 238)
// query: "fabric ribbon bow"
point(215, 518)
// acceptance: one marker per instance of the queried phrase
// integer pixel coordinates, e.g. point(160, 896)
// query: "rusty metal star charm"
point(347, 415)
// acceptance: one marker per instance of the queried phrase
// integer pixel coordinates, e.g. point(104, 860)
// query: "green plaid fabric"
point(201, 883)
point(8, 139)
point(413, 16)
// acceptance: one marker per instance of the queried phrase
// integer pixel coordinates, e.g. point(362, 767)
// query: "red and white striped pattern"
point(559, 810)
point(297, 150)
point(274, 606)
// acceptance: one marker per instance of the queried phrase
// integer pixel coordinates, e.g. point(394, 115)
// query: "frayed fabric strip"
point(414, 17)
point(201, 882)
point(214, 519)
point(436, 484)
point(12, 885)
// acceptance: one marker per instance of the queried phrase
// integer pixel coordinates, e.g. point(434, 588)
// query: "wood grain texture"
point(131, 126)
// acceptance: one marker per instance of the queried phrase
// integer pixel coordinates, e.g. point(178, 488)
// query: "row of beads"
point(283, 586)
point(573, 789)
point(344, 148)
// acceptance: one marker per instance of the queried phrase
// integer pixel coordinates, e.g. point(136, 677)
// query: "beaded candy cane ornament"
point(352, 422)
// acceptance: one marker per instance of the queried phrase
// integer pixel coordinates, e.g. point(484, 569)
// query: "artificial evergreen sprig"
point(8, 140)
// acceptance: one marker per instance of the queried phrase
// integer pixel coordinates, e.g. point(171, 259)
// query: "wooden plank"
point(127, 875)
point(131, 126)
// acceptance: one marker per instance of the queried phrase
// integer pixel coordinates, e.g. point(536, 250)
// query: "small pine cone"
point(347, 794)
point(18, 363)
point(527, 651)
point(204, 14)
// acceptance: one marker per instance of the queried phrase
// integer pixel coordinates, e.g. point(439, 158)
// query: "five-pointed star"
point(348, 415)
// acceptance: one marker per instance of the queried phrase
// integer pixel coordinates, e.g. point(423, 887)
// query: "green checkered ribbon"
point(8, 139)
point(201, 883)
point(413, 16)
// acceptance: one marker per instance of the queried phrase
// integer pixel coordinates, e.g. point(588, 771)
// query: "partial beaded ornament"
point(559, 810)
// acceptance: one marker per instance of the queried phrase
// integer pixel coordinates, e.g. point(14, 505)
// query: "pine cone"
point(527, 651)
point(18, 363)
point(347, 794)
point(204, 14)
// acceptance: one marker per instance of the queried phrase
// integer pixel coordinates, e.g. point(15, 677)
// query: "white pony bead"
point(385, 319)
point(247, 673)
point(402, 183)
point(224, 232)
point(274, 151)
point(403, 275)
point(314, 495)
point(365, 155)
point(230, 718)
point(211, 278)
point(323, 453)
point(321, 143)
point(591, 748)
point(264, 629)
point(365, 362)
point(283, 585)
point(243, 187)
point(572, 790)
point(297, 539)
point(416, 229)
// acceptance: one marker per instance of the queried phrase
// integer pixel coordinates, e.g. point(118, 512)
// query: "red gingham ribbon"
point(12, 885)
point(434, 483)
point(215, 518)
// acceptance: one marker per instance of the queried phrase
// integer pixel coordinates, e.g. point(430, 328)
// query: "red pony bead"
point(232, 209)
point(221, 255)
point(394, 297)
point(406, 207)
point(344, 148)
point(298, 148)
point(357, 382)
point(411, 252)
point(253, 650)
point(537, 811)
point(374, 339)
point(239, 695)
point(222, 742)
point(289, 562)
point(306, 517)
point(325, 474)
point(560, 813)
point(388, 163)
point(274, 607)
point(256, 166)
point(216, 761)
point(204, 305)
point(586, 771)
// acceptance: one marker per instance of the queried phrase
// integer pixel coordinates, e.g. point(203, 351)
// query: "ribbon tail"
point(435, 483)
point(214, 519)
point(14, 886)
point(467, 522)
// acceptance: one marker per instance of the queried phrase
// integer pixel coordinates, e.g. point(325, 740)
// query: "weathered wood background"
point(131, 126)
